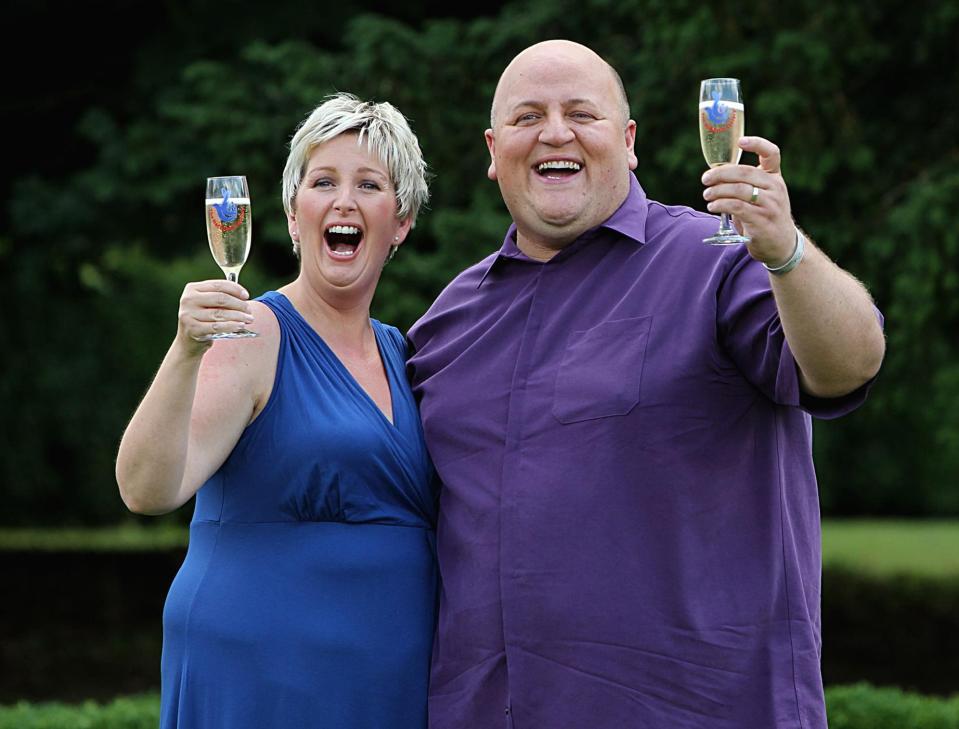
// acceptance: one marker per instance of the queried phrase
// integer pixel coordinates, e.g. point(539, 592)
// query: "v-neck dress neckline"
point(345, 371)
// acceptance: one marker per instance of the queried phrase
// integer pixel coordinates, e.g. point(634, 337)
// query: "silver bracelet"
point(794, 259)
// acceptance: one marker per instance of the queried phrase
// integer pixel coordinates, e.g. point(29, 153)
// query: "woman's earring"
point(393, 248)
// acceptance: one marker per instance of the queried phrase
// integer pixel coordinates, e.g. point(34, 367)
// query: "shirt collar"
point(629, 220)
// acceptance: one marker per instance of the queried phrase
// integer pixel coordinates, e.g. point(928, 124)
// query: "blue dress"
point(307, 596)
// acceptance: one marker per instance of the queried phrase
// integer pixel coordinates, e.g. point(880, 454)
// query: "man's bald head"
point(567, 49)
point(561, 146)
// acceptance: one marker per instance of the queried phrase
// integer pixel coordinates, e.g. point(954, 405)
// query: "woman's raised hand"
point(208, 308)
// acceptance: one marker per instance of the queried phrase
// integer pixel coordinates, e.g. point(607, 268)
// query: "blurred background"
point(116, 112)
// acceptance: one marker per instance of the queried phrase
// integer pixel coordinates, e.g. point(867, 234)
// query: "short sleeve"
point(828, 408)
point(751, 334)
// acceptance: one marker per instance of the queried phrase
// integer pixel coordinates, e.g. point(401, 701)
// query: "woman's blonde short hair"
point(387, 135)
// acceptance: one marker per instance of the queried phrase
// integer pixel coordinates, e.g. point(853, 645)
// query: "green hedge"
point(128, 537)
point(105, 640)
point(132, 712)
point(892, 630)
point(862, 706)
point(849, 707)
point(77, 625)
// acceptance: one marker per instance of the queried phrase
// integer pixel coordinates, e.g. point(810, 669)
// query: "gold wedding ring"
point(755, 196)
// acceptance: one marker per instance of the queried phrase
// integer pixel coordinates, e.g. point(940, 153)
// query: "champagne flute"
point(722, 120)
point(228, 228)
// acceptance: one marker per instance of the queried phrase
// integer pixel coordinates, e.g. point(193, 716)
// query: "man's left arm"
point(827, 315)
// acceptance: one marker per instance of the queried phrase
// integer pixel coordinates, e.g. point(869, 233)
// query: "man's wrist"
point(793, 260)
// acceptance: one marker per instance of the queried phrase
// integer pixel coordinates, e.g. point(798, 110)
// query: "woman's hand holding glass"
point(211, 309)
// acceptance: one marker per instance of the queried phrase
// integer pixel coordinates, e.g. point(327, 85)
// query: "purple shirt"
point(629, 521)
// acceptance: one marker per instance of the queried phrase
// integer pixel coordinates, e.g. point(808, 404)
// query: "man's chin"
point(556, 233)
point(558, 216)
point(549, 216)
point(565, 226)
point(555, 224)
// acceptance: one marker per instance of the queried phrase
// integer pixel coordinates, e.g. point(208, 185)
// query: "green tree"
point(852, 93)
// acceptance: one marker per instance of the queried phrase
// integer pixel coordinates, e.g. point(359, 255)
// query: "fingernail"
point(710, 206)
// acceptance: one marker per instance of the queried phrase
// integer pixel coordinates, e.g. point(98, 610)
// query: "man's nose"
point(556, 130)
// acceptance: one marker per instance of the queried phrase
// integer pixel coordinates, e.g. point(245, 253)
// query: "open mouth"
point(343, 241)
point(558, 169)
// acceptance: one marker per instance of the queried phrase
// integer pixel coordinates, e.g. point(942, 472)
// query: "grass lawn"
point(886, 546)
point(880, 546)
point(101, 539)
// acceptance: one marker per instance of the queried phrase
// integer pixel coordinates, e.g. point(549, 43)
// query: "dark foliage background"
point(101, 227)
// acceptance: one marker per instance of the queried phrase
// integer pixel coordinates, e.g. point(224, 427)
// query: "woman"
point(306, 598)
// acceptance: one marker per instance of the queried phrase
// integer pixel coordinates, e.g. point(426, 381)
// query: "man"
point(619, 413)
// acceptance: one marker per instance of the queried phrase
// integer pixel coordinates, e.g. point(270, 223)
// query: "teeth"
point(560, 164)
point(345, 229)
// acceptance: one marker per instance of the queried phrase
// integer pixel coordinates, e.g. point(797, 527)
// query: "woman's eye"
point(369, 185)
point(323, 182)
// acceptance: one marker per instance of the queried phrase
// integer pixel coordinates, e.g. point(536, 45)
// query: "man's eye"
point(582, 115)
point(528, 117)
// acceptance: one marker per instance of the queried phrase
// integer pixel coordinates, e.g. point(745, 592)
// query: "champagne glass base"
point(727, 239)
point(242, 334)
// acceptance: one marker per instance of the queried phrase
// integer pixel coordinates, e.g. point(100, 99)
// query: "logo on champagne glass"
point(227, 213)
point(718, 117)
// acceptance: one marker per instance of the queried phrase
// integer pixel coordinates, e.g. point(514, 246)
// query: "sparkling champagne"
point(721, 126)
point(228, 229)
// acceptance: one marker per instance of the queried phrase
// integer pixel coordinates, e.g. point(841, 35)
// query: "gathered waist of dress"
point(322, 544)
